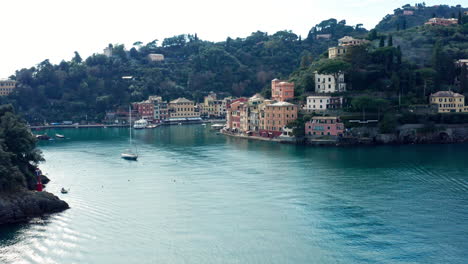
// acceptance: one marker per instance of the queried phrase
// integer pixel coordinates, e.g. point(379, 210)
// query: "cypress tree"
point(398, 54)
point(459, 17)
point(390, 40)
point(464, 78)
point(382, 42)
point(437, 62)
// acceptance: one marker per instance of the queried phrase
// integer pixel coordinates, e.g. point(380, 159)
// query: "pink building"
point(281, 90)
point(324, 126)
point(145, 109)
point(233, 114)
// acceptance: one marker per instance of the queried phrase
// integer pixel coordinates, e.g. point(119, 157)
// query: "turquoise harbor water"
point(198, 197)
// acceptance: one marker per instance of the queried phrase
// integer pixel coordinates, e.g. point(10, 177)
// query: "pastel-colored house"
point(320, 126)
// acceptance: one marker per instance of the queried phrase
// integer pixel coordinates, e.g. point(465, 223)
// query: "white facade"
point(325, 83)
point(322, 103)
point(317, 103)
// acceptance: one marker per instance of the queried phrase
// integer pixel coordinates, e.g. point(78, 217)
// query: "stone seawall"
point(412, 134)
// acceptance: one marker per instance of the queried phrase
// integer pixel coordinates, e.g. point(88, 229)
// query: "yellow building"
point(337, 51)
point(211, 107)
point(448, 102)
point(7, 87)
point(182, 108)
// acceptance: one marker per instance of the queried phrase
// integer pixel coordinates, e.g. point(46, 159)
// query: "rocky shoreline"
point(23, 205)
point(404, 135)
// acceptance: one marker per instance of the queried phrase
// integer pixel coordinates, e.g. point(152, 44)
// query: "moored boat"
point(43, 137)
point(59, 136)
point(129, 154)
point(140, 124)
point(217, 126)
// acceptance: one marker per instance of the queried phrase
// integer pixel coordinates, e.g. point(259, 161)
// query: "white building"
point(323, 102)
point(325, 83)
point(350, 41)
point(108, 51)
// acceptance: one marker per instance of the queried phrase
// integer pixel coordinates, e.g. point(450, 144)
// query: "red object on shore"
point(39, 186)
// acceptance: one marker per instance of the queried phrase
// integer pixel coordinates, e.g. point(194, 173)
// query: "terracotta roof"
point(180, 100)
point(446, 94)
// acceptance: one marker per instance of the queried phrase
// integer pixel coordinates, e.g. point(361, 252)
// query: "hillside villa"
point(448, 102)
point(7, 87)
point(281, 90)
point(325, 83)
point(437, 21)
point(317, 103)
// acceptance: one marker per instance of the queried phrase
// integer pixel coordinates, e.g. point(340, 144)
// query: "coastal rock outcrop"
point(24, 205)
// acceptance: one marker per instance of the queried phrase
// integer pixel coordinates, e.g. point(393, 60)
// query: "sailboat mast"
point(130, 124)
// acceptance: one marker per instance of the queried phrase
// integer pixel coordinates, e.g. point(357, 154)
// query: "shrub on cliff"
point(18, 153)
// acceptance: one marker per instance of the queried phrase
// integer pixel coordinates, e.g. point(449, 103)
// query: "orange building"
point(281, 90)
point(276, 116)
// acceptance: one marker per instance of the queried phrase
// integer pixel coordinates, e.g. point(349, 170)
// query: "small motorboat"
point(59, 136)
point(64, 190)
point(43, 137)
point(203, 124)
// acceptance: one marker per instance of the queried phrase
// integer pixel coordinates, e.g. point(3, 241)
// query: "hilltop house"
point(335, 52)
point(7, 87)
point(350, 41)
point(437, 21)
point(153, 57)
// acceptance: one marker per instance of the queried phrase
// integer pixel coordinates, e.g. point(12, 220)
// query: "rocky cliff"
point(24, 205)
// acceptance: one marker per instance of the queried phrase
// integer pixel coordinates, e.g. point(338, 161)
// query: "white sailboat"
point(129, 154)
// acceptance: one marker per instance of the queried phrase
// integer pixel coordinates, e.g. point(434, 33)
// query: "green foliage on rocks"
point(18, 153)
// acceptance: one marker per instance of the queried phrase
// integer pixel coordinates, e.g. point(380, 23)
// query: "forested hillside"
point(411, 62)
point(411, 16)
point(192, 68)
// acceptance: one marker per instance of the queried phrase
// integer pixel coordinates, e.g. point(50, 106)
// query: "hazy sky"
point(35, 30)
